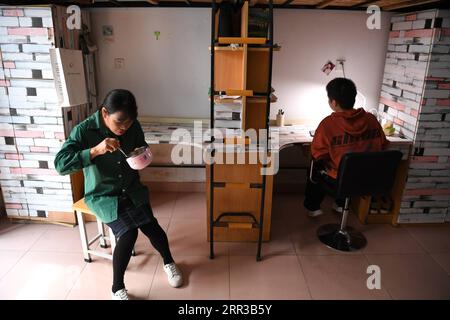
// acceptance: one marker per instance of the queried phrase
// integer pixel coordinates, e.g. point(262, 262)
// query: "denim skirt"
point(130, 217)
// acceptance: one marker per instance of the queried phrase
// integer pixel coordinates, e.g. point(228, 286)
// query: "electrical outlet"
point(119, 63)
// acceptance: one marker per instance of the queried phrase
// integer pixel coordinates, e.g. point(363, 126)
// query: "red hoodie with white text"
point(352, 130)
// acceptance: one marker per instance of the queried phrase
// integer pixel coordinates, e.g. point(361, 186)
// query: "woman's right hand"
point(107, 145)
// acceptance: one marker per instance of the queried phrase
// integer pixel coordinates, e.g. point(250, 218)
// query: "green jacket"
point(106, 176)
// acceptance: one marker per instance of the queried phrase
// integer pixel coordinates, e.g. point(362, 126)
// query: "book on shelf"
point(228, 107)
point(258, 22)
point(227, 112)
point(231, 124)
point(227, 115)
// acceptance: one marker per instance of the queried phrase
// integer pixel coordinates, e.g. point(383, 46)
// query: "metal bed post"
point(266, 145)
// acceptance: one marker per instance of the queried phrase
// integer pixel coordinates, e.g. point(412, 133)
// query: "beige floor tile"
point(434, 238)
point(203, 279)
point(339, 277)
point(8, 260)
point(412, 276)
point(190, 206)
point(188, 237)
point(42, 275)
point(21, 236)
point(163, 203)
point(276, 277)
point(96, 279)
point(388, 239)
point(443, 259)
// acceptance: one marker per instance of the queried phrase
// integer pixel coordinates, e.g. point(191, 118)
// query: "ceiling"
point(385, 5)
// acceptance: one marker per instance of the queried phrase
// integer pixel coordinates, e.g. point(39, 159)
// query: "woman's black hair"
point(121, 100)
point(343, 91)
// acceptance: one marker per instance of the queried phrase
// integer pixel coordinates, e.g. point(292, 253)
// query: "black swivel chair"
point(359, 174)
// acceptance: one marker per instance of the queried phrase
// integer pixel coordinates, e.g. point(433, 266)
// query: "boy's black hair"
point(121, 100)
point(343, 91)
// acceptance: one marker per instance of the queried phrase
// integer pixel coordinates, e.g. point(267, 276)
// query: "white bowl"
point(140, 158)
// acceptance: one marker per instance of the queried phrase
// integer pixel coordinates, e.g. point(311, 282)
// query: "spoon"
point(120, 149)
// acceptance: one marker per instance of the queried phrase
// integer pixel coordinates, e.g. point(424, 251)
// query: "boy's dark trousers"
point(316, 192)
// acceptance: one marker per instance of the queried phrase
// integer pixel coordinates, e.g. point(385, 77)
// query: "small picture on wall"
point(328, 67)
point(108, 31)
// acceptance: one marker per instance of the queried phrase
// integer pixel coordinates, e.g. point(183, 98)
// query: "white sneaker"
point(120, 295)
point(337, 208)
point(173, 275)
point(315, 213)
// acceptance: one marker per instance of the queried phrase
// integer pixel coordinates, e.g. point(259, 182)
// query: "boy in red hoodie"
point(345, 130)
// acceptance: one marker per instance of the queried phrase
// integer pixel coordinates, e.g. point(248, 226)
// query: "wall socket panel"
point(119, 63)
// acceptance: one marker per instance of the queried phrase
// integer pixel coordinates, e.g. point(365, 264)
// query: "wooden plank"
point(243, 93)
point(244, 34)
point(237, 140)
point(256, 114)
point(324, 4)
point(234, 201)
point(80, 205)
point(244, 108)
point(241, 40)
point(361, 205)
point(286, 3)
point(216, 25)
point(244, 20)
point(77, 182)
point(237, 185)
point(228, 70)
point(258, 71)
point(399, 187)
point(406, 4)
point(364, 3)
point(40, 220)
point(237, 173)
point(241, 48)
point(239, 225)
point(65, 217)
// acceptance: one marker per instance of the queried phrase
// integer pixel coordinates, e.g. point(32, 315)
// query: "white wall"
point(308, 39)
point(170, 76)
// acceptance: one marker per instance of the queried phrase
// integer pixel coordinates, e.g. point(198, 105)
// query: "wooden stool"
point(80, 207)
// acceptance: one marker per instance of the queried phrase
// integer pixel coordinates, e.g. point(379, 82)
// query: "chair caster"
point(88, 260)
point(133, 253)
point(104, 246)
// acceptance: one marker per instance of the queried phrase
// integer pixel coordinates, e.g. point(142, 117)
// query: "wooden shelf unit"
point(241, 69)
